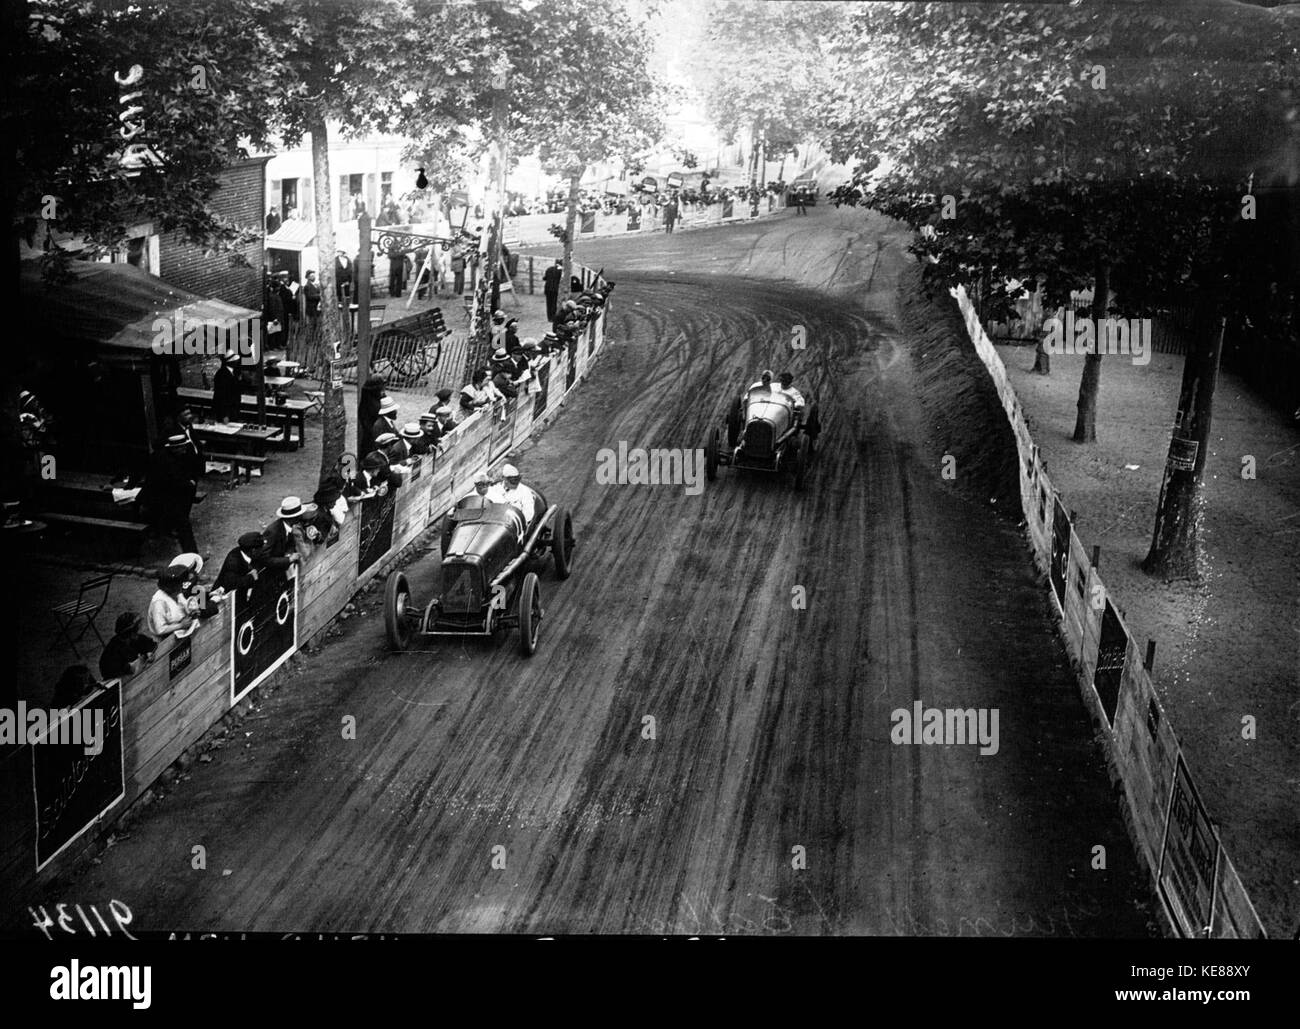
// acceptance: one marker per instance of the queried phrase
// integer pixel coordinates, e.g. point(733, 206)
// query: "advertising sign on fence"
point(1060, 551)
point(263, 630)
point(376, 536)
point(1112, 649)
point(72, 787)
point(1188, 858)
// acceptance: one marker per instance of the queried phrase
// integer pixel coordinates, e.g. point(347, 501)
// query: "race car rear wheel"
point(397, 604)
point(530, 614)
point(711, 455)
point(562, 543)
point(798, 461)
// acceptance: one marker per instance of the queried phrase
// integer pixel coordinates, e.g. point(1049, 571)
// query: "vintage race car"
point(490, 557)
point(765, 432)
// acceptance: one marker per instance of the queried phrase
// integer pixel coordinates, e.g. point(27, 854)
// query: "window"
point(289, 198)
point(385, 186)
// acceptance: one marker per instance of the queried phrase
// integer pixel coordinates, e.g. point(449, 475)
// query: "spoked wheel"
point(530, 614)
point(711, 455)
point(562, 543)
point(398, 614)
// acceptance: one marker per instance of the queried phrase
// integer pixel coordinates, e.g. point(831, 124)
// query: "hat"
point(178, 439)
point(387, 405)
point(373, 461)
point(787, 376)
point(482, 478)
point(385, 438)
point(231, 356)
point(443, 412)
point(509, 472)
point(251, 541)
point(330, 489)
point(172, 574)
point(498, 316)
point(429, 416)
point(531, 344)
point(767, 374)
point(444, 394)
point(290, 507)
point(411, 430)
point(550, 337)
point(126, 621)
point(499, 354)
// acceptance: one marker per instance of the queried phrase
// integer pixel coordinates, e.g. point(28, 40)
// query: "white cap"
point(509, 472)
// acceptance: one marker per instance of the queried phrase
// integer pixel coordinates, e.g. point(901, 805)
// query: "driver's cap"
point(509, 472)
point(482, 479)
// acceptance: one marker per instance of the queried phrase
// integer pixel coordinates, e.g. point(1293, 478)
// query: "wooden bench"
point(84, 522)
point(239, 462)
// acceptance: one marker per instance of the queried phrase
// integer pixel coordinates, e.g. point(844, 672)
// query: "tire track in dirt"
point(771, 724)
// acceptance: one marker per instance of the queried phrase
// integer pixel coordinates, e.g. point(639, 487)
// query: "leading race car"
point(767, 430)
point(490, 558)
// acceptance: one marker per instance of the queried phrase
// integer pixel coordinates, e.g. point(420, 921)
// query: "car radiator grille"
point(758, 439)
point(463, 590)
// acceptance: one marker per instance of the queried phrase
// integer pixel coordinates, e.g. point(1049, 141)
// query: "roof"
point(116, 304)
point(295, 234)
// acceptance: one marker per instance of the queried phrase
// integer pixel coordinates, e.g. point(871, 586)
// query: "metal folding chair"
point(91, 599)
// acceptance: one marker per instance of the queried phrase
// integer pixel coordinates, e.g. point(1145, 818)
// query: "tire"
point(562, 543)
point(711, 455)
point(530, 614)
point(735, 422)
point(798, 462)
point(397, 600)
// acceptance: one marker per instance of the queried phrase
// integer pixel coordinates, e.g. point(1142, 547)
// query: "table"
point(292, 413)
point(279, 381)
point(286, 366)
point(253, 439)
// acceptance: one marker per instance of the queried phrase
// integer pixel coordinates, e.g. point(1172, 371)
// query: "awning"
point(118, 305)
point(292, 235)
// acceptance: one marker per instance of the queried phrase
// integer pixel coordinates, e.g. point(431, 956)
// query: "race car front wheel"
point(397, 603)
point(530, 614)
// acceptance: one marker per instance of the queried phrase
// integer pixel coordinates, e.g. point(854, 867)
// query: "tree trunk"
point(570, 225)
point(476, 353)
point(1085, 426)
point(334, 417)
point(1176, 542)
point(361, 274)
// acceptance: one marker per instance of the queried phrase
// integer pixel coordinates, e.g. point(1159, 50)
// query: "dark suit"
point(551, 287)
point(120, 651)
point(226, 392)
point(280, 544)
point(342, 277)
point(169, 491)
point(235, 572)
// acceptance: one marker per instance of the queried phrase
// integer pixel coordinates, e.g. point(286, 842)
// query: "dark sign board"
point(417, 466)
point(571, 373)
point(1060, 551)
point(728, 208)
point(1112, 650)
point(73, 788)
point(263, 630)
point(179, 657)
point(376, 536)
point(539, 398)
point(1189, 858)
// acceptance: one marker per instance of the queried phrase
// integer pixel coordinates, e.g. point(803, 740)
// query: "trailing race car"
point(490, 556)
point(766, 431)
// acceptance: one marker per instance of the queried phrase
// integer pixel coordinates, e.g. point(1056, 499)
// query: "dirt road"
point(770, 798)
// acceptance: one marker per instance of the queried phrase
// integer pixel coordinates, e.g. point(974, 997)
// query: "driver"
point(764, 382)
point(510, 491)
point(787, 387)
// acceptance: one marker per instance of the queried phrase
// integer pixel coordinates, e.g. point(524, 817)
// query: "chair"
point(91, 599)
